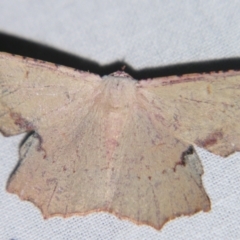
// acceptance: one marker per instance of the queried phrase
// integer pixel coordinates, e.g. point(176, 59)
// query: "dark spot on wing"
point(189, 151)
point(210, 140)
point(26, 74)
point(21, 122)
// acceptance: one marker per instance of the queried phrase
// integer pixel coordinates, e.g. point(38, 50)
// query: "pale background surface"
point(142, 34)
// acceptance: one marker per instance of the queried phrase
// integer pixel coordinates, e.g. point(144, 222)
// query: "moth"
point(113, 143)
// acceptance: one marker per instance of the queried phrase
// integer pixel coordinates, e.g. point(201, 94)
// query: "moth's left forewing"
point(202, 109)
